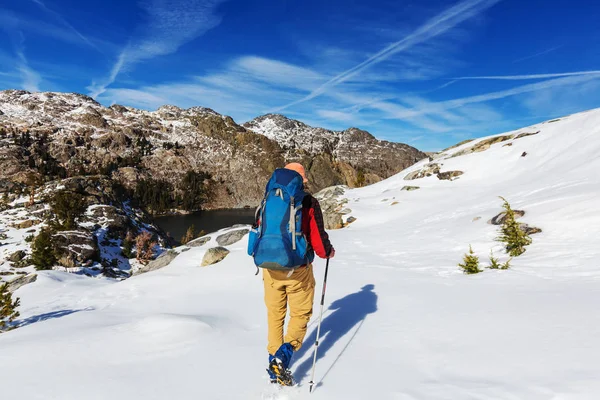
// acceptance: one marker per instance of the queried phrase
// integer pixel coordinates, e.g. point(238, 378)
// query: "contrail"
point(436, 26)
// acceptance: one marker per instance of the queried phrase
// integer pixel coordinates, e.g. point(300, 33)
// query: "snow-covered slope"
point(402, 321)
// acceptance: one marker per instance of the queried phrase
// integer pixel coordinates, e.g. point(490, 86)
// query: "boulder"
point(500, 218)
point(427, 170)
point(232, 237)
point(522, 135)
point(198, 242)
point(26, 224)
point(160, 262)
point(80, 246)
point(410, 188)
point(214, 255)
point(21, 281)
point(17, 256)
point(530, 230)
point(333, 206)
point(449, 175)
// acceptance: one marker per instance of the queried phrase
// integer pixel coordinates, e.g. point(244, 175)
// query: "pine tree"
point(494, 262)
point(189, 235)
point(128, 245)
point(470, 263)
point(42, 255)
point(511, 234)
point(8, 311)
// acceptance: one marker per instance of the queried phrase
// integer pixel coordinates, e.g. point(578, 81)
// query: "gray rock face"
point(214, 255)
point(198, 242)
point(333, 206)
point(232, 237)
point(500, 218)
point(427, 170)
point(79, 246)
point(160, 262)
point(449, 175)
point(85, 137)
point(410, 188)
point(17, 256)
point(21, 281)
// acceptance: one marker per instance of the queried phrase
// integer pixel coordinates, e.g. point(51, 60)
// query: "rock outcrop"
point(214, 255)
point(69, 135)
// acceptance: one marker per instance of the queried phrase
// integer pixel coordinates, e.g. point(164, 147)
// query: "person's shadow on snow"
point(347, 313)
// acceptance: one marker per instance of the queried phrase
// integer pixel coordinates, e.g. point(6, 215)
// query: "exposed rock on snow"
point(160, 262)
point(501, 217)
point(17, 256)
point(214, 255)
point(79, 246)
point(410, 188)
point(483, 145)
point(449, 175)
point(198, 242)
point(427, 170)
point(333, 206)
point(232, 237)
point(21, 281)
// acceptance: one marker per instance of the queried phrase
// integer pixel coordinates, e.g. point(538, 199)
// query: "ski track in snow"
point(401, 322)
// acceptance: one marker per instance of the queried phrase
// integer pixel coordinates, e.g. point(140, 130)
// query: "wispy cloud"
point(31, 79)
point(541, 53)
point(527, 77)
point(64, 22)
point(436, 26)
point(170, 25)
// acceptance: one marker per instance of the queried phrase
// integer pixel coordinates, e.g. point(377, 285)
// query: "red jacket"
point(314, 227)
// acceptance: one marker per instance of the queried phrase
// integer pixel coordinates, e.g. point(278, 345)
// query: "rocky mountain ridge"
point(82, 137)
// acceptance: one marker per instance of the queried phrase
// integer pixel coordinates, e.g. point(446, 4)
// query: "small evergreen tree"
point(470, 263)
point(42, 255)
point(189, 235)
point(494, 262)
point(8, 311)
point(506, 265)
point(511, 234)
point(128, 246)
point(68, 207)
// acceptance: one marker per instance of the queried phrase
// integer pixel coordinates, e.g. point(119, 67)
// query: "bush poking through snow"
point(8, 308)
point(511, 234)
point(506, 265)
point(144, 247)
point(494, 262)
point(470, 263)
point(42, 254)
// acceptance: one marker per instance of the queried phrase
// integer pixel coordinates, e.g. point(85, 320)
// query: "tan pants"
point(298, 291)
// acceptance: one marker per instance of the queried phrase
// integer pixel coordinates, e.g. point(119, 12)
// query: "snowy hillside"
point(402, 321)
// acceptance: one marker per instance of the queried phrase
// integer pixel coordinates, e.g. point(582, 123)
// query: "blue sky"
point(424, 72)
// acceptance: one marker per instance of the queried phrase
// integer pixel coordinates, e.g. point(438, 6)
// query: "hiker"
point(289, 287)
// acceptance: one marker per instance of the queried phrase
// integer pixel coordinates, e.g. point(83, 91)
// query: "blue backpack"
point(276, 240)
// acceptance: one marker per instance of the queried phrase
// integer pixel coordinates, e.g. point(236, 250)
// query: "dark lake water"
point(209, 221)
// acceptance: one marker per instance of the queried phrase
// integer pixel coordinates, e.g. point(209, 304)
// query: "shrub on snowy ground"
point(42, 254)
point(494, 262)
point(8, 311)
point(506, 265)
point(511, 234)
point(470, 263)
point(190, 235)
point(144, 247)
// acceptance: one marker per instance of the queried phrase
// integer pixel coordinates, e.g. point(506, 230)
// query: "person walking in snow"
point(285, 287)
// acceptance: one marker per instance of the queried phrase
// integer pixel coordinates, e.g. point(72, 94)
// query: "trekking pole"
point(312, 378)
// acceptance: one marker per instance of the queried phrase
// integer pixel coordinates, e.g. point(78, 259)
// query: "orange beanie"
point(299, 169)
